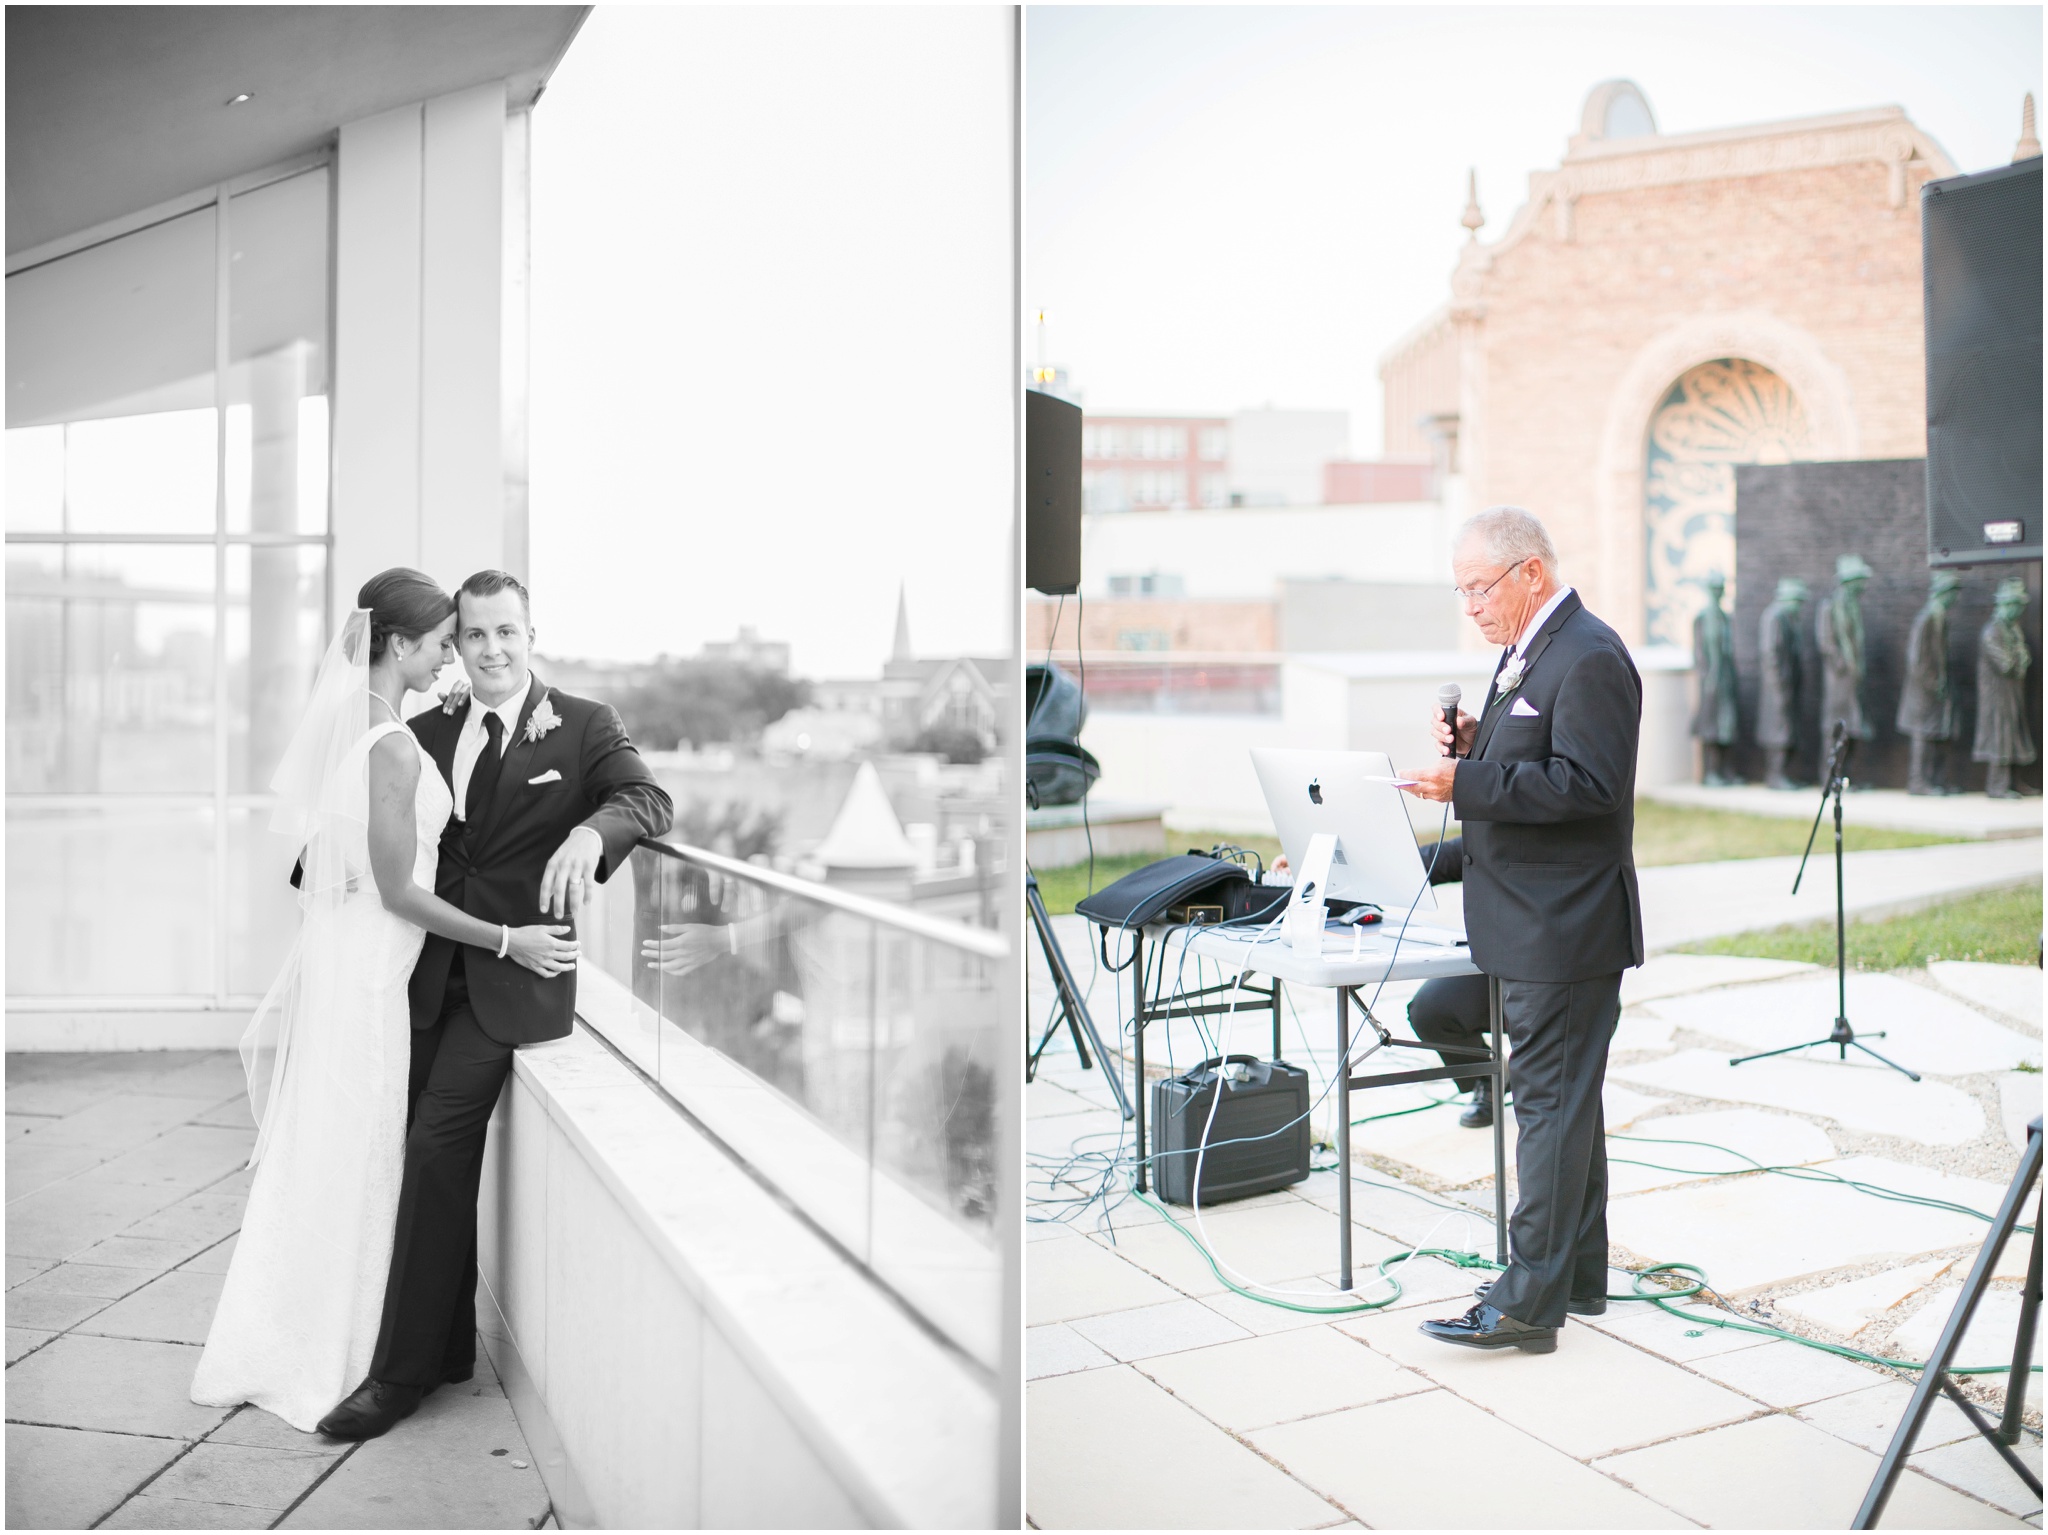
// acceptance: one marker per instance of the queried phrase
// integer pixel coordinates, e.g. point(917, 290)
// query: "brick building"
point(1660, 309)
point(1146, 463)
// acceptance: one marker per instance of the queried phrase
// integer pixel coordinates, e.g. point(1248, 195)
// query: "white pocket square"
point(1523, 709)
point(552, 775)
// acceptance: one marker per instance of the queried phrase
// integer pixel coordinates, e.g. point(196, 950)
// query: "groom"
point(550, 798)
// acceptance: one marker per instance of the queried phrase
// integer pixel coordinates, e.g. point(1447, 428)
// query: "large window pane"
point(277, 357)
point(109, 669)
point(114, 346)
point(109, 901)
point(263, 909)
point(276, 634)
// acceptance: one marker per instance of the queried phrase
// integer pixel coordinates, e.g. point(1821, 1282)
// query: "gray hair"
point(1509, 534)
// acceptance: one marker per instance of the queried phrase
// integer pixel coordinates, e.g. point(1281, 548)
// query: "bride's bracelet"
point(505, 941)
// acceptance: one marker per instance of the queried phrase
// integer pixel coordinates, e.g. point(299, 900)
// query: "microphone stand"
point(1842, 1037)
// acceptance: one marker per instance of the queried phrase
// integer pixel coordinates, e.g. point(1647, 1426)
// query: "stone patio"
point(125, 1186)
point(1157, 1397)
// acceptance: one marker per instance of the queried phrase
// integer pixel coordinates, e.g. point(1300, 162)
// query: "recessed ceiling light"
point(239, 98)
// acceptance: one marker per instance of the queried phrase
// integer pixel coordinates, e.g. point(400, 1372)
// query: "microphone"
point(1447, 698)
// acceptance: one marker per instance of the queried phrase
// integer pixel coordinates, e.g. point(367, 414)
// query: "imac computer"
point(1351, 795)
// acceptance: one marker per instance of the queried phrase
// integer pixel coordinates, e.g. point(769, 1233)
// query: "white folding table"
point(1346, 964)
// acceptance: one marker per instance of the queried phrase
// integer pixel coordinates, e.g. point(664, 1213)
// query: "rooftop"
point(1246, 1414)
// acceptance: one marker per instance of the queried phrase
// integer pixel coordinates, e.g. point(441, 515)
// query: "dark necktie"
point(483, 777)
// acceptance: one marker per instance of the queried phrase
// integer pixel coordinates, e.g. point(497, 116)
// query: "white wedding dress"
point(299, 1315)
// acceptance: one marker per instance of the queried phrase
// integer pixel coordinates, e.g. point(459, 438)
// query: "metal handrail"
point(977, 941)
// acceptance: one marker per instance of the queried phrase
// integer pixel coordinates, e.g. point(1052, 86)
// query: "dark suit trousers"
point(1454, 1011)
point(1559, 1033)
point(429, 1326)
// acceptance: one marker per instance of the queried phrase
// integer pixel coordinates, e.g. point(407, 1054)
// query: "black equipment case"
point(1245, 1155)
point(1152, 893)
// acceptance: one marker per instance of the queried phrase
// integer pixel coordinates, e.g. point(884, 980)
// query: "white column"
point(462, 250)
point(376, 431)
point(429, 435)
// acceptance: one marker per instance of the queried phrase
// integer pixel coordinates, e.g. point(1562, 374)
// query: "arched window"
point(1717, 415)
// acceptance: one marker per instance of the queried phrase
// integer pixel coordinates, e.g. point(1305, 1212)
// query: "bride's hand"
point(457, 699)
point(541, 951)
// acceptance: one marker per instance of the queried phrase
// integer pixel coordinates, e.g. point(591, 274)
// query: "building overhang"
point(112, 109)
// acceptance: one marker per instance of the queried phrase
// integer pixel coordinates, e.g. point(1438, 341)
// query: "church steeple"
point(1473, 220)
point(900, 651)
point(2029, 147)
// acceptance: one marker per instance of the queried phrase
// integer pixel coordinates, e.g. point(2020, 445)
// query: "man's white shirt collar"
point(1535, 625)
point(507, 712)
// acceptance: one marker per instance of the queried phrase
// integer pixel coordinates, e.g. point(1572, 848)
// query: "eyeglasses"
point(1472, 598)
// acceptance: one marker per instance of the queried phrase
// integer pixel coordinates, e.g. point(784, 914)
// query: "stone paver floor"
point(1157, 1397)
point(125, 1186)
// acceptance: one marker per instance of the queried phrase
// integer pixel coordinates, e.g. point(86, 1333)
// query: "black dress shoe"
point(1485, 1327)
point(1480, 1115)
point(371, 1409)
point(1597, 1306)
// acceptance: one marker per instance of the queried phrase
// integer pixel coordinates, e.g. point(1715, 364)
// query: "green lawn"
point(1665, 834)
point(2002, 926)
point(1680, 834)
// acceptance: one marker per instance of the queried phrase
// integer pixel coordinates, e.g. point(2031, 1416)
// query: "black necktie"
point(483, 777)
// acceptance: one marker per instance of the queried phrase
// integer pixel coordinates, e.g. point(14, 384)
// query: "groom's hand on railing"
point(542, 949)
point(687, 946)
point(570, 878)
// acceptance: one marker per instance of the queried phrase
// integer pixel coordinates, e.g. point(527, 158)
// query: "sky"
point(773, 311)
point(1234, 207)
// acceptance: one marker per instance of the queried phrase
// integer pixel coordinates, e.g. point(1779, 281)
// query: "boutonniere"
point(1510, 677)
point(542, 720)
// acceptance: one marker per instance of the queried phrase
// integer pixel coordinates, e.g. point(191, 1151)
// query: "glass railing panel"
point(765, 1001)
point(847, 1054)
point(934, 1199)
point(608, 932)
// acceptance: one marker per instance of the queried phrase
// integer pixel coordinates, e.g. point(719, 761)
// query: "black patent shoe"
point(373, 1408)
point(1480, 1115)
point(1597, 1306)
point(1485, 1327)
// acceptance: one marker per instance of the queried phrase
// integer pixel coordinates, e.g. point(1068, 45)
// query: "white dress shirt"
point(470, 744)
point(1534, 628)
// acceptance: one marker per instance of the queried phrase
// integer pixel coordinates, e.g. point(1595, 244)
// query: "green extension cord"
point(1461, 1259)
point(1664, 1300)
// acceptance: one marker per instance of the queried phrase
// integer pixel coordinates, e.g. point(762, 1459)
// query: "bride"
point(328, 1051)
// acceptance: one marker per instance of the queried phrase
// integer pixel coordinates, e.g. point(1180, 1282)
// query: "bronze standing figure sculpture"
point(1843, 657)
point(1777, 712)
point(2003, 659)
point(1713, 661)
point(1927, 706)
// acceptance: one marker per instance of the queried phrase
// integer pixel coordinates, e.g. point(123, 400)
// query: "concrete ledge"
point(703, 1357)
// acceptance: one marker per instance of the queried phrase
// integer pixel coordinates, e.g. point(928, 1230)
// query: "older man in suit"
point(1543, 784)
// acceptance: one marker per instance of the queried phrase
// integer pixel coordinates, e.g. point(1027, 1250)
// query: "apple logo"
point(1315, 792)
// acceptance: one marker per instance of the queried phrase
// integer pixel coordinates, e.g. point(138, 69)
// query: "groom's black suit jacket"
point(1547, 805)
point(492, 869)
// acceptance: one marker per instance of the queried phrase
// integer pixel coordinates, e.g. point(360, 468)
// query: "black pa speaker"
point(1052, 494)
point(1980, 240)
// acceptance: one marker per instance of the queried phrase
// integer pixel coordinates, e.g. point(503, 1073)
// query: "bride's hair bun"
point(404, 602)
